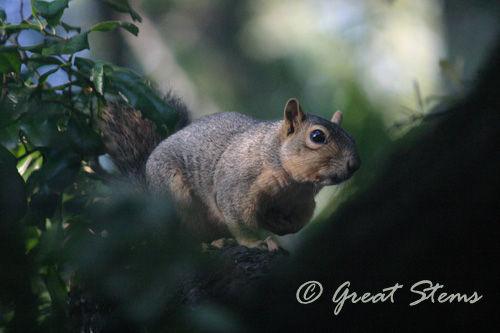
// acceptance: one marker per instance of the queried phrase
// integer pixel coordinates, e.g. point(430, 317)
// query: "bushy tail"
point(130, 138)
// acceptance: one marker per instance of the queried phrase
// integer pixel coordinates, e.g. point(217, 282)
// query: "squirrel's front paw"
point(220, 243)
point(268, 244)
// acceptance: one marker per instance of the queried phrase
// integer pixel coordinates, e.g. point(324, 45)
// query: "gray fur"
point(232, 175)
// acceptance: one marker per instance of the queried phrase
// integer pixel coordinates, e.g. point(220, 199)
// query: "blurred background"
point(384, 63)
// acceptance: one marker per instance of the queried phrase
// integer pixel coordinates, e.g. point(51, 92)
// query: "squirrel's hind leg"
point(196, 217)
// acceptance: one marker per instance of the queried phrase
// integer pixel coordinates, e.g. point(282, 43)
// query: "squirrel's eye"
point(317, 136)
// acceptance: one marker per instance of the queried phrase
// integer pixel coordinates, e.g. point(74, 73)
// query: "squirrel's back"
point(196, 149)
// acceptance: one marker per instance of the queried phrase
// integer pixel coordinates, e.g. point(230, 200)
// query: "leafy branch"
point(48, 140)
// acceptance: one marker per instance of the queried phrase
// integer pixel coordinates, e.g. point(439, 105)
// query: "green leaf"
point(31, 238)
point(9, 135)
point(16, 272)
point(59, 170)
point(37, 61)
point(10, 60)
point(50, 243)
point(124, 7)
point(83, 81)
point(84, 65)
point(43, 78)
point(52, 46)
point(7, 111)
point(138, 94)
point(58, 293)
point(40, 125)
point(7, 159)
point(38, 48)
point(24, 104)
point(112, 25)
point(83, 138)
point(69, 28)
point(35, 15)
point(24, 25)
point(76, 43)
point(42, 205)
point(3, 16)
point(12, 190)
point(99, 77)
point(51, 11)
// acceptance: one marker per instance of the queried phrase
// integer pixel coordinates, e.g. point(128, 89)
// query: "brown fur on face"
point(321, 163)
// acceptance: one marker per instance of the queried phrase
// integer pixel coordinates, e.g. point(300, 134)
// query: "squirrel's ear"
point(337, 118)
point(294, 116)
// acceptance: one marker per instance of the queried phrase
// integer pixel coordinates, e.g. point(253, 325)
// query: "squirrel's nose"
point(353, 164)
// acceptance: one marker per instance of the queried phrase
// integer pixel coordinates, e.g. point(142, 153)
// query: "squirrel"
point(232, 175)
